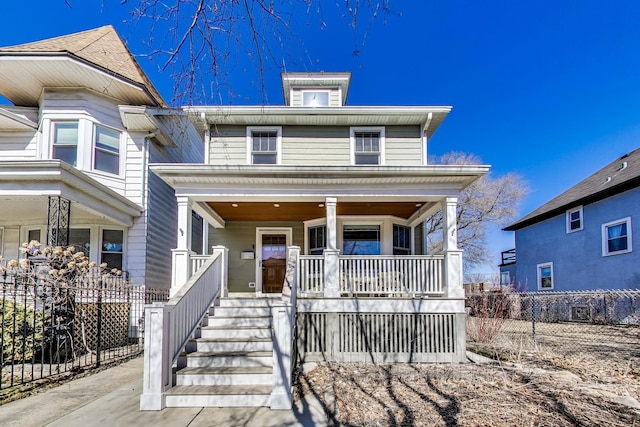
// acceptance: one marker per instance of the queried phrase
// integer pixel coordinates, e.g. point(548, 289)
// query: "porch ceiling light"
point(234, 205)
point(418, 205)
point(321, 205)
point(275, 205)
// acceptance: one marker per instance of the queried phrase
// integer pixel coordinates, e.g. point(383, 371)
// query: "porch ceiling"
point(303, 211)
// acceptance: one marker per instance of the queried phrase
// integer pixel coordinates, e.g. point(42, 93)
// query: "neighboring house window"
point(361, 239)
point(112, 248)
point(65, 142)
point(367, 146)
point(574, 220)
point(616, 237)
point(315, 98)
point(107, 150)
point(505, 278)
point(264, 145)
point(80, 238)
point(35, 235)
point(545, 276)
point(317, 239)
point(401, 240)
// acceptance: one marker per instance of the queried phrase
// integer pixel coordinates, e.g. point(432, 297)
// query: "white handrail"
point(169, 326)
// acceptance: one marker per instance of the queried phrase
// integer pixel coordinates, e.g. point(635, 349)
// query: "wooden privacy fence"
point(381, 337)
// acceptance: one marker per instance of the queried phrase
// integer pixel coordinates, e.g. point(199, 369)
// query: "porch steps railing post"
point(224, 262)
point(453, 274)
point(331, 273)
point(284, 317)
point(156, 353)
point(180, 268)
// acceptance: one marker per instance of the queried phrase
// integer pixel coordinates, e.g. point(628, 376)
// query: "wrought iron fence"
point(49, 329)
point(556, 324)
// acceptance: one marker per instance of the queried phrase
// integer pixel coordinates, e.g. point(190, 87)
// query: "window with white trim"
point(315, 98)
point(112, 248)
point(65, 142)
point(361, 239)
point(401, 240)
point(545, 276)
point(574, 220)
point(106, 145)
point(616, 237)
point(367, 146)
point(317, 239)
point(264, 145)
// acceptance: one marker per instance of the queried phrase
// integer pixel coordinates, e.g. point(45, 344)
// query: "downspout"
point(425, 129)
point(145, 170)
point(207, 139)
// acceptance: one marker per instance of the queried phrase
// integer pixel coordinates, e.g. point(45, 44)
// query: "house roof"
point(428, 116)
point(620, 175)
point(65, 61)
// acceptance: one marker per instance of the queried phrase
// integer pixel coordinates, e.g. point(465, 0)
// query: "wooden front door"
point(274, 262)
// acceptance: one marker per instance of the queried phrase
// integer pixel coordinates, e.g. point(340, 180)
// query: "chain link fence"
point(48, 330)
point(555, 325)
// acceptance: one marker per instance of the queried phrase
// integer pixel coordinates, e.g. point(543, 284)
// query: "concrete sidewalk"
point(111, 398)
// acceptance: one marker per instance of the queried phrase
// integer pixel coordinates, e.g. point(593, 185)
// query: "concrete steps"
point(230, 363)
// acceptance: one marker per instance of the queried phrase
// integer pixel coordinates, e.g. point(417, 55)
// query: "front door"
point(272, 259)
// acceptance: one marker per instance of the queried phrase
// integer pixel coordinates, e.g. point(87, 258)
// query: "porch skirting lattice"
point(381, 337)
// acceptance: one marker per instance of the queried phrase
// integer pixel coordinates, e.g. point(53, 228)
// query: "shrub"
point(22, 332)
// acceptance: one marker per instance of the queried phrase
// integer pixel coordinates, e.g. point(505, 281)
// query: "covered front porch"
point(333, 259)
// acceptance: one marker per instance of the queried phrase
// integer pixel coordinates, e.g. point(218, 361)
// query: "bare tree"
point(202, 42)
point(488, 201)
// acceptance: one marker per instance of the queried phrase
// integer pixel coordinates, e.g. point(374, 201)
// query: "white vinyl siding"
point(228, 145)
point(20, 145)
point(403, 146)
point(315, 145)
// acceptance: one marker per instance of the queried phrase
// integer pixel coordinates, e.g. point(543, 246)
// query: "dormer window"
point(367, 146)
point(315, 98)
point(107, 150)
point(65, 142)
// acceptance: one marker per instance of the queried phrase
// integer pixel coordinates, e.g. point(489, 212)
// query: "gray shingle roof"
point(102, 47)
point(620, 175)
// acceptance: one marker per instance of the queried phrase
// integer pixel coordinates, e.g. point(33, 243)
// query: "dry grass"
point(468, 395)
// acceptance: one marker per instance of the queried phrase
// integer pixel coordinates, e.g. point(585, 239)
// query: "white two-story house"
point(315, 211)
point(83, 124)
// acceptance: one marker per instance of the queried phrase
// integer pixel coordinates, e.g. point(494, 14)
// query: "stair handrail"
point(168, 326)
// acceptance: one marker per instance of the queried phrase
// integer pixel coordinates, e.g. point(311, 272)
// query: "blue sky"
point(547, 89)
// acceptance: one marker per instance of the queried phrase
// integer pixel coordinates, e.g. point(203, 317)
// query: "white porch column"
point(181, 255)
point(331, 265)
point(453, 256)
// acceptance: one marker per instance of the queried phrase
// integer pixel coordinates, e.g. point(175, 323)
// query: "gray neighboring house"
point(584, 239)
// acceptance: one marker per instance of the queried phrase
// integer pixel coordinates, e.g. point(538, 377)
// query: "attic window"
point(574, 220)
point(315, 98)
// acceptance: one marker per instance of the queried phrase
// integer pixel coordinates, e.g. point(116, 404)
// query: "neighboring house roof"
point(620, 175)
point(101, 49)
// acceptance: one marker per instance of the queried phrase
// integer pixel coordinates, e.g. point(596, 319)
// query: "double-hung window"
point(65, 142)
point(401, 240)
point(616, 237)
point(545, 276)
point(264, 145)
point(367, 146)
point(574, 220)
point(112, 248)
point(107, 150)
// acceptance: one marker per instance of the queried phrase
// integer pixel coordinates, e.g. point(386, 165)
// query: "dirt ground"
point(528, 389)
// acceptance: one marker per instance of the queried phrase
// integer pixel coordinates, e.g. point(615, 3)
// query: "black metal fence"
point(54, 328)
point(555, 324)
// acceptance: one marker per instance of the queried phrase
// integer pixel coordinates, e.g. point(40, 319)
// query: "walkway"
point(111, 398)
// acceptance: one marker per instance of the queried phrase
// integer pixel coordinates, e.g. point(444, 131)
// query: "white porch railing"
point(169, 326)
point(197, 261)
point(377, 274)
